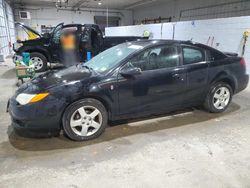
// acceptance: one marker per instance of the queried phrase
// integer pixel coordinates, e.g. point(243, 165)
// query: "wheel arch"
point(41, 51)
point(226, 78)
point(101, 100)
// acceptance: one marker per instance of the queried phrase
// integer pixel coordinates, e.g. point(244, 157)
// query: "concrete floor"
point(189, 149)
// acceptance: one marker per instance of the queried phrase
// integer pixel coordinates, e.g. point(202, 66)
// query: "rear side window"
point(215, 56)
point(192, 55)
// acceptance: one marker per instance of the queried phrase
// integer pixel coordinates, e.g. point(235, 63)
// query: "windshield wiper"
point(89, 68)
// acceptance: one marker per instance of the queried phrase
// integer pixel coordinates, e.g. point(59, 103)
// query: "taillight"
point(243, 62)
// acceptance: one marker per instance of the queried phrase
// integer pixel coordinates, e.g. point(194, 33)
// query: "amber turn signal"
point(39, 97)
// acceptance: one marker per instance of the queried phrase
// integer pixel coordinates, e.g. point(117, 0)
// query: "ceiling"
point(80, 4)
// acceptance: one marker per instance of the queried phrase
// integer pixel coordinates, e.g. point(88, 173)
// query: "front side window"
point(86, 33)
point(192, 55)
point(156, 58)
point(59, 32)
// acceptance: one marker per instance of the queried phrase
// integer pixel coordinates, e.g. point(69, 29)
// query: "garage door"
point(10, 23)
point(7, 31)
point(3, 34)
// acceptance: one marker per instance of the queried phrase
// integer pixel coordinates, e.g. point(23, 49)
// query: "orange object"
point(39, 97)
point(68, 41)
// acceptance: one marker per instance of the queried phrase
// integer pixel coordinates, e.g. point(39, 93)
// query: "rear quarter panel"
point(238, 72)
point(228, 69)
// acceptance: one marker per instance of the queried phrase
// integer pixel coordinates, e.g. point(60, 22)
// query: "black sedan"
point(129, 80)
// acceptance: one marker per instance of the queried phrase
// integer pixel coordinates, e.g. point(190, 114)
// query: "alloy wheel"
point(221, 98)
point(86, 121)
point(38, 63)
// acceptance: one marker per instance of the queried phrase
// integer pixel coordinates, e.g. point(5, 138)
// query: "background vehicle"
point(47, 48)
point(129, 80)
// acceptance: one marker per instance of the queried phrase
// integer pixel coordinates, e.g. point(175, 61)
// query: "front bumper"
point(41, 116)
point(16, 57)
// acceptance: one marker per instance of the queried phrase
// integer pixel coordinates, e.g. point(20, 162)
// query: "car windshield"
point(108, 59)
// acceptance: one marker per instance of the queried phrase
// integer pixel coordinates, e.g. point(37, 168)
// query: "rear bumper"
point(242, 83)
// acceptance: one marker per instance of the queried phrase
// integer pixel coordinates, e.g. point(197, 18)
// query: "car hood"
point(28, 28)
point(28, 44)
point(37, 41)
point(52, 79)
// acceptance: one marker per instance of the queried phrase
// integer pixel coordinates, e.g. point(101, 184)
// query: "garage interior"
point(185, 148)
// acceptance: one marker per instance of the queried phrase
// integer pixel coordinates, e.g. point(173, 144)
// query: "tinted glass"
point(215, 56)
point(192, 55)
point(157, 58)
point(85, 35)
point(59, 31)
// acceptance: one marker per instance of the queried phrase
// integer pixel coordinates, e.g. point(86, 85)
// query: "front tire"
point(39, 61)
point(85, 120)
point(218, 98)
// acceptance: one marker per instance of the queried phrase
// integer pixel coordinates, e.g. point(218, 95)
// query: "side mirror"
point(130, 72)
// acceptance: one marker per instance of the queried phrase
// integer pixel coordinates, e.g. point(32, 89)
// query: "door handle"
point(177, 76)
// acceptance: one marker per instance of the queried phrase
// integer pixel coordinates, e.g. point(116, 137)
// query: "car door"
point(55, 46)
point(91, 41)
point(97, 39)
point(77, 33)
point(194, 61)
point(158, 87)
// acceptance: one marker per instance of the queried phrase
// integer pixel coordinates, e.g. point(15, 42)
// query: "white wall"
point(198, 9)
point(227, 33)
point(158, 31)
point(52, 16)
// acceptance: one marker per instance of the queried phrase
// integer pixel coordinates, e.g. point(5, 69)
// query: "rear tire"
point(39, 61)
point(219, 98)
point(85, 120)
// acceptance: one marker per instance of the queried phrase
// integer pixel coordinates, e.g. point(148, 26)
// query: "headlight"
point(17, 45)
point(24, 98)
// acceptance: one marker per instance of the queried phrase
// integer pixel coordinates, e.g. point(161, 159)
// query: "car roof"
point(148, 43)
point(72, 25)
point(145, 42)
point(80, 25)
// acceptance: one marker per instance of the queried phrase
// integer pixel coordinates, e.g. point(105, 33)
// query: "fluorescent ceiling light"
point(140, 3)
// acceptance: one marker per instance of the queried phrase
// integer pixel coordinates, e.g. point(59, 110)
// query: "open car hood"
point(28, 28)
